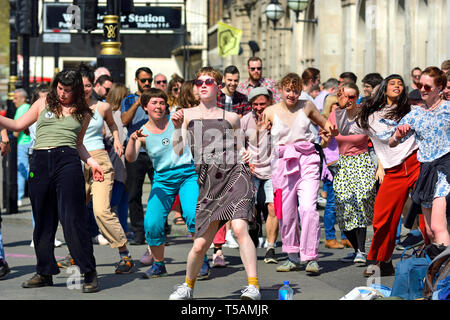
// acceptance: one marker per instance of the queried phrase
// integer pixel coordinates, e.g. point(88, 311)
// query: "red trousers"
point(389, 203)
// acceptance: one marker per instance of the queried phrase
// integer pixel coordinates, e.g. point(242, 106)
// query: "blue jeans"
point(22, 169)
point(329, 214)
point(2, 250)
point(119, 199)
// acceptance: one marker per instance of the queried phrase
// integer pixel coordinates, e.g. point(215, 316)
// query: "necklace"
point(435, 105)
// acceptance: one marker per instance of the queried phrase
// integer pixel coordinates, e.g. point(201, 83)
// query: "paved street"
point(336, 278)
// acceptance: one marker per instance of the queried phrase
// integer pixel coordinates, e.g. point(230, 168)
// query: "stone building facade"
point(362, 36)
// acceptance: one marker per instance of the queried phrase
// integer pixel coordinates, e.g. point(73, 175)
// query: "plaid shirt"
point(246, 86)
point(238, 105)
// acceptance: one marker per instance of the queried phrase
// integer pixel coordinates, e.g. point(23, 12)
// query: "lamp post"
point(274, 12)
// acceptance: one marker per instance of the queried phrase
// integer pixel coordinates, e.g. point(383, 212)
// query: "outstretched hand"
point(138, 134)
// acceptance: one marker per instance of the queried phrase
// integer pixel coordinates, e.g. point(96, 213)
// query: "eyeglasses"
point(144, 80)
point(256, 68)
point(208, 82)
point(425, 87)
point(161, 81)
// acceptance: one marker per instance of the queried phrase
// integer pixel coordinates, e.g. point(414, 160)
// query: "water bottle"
point(285, 292)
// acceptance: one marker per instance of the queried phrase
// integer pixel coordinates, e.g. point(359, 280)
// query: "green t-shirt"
point(23, 138)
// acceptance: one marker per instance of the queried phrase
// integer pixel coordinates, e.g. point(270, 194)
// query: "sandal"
point(179, 221)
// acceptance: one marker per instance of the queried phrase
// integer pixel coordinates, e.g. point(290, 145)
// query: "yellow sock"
point(253, 281)
point(190, 283)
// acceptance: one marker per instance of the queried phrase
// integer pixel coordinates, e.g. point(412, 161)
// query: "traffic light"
point(88, 11)
point(27, 17)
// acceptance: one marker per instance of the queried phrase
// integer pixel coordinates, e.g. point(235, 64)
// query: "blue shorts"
point(166, 186)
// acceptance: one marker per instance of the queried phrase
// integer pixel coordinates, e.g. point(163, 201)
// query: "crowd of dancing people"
point(227, 157)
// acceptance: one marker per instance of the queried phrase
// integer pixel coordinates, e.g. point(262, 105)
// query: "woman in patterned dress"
point(354, 183)
point(430, 125)
point(226, 190)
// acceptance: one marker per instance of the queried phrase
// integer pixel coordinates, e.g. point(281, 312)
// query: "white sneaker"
point(182, 292)
point(230, 241)
point(32, 244)
point(19, 203)
point(58, 243)
point(360, 258)
point(250, 293)
point(99, 239)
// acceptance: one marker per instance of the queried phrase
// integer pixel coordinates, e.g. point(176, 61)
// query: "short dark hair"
point(86, 71)
point(349, 75)
point(103, 78)
point(253, 59)
point(152, 93)
point(310, 74)
point(231, 69)
point(414, 69)
point(373, 79)
point(144, 69)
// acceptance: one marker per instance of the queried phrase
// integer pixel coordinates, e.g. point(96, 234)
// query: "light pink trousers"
point(296, 180)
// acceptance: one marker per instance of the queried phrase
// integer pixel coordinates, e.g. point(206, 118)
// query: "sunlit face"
point(415, 76)
point(428, 89)
point(259, 104)
point(103, 89)
point(394, 89)
point(351, 97)
point(87, 88)
point(367, 90)
point(156, 108)
point(231, 82)
point(144, 81)
point(290, 95)
point(18, 99)
point(207, 87)
point(255, 70)
point(65, 94)
point(447, 91)
point(161, 82)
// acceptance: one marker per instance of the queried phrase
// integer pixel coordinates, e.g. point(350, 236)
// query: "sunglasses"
point(208, 82)
point(161, 81)
point(144, 80)
point(425, 87)
point(256, 68)
point(351, 97)
point(106, 89)
point(416, 76)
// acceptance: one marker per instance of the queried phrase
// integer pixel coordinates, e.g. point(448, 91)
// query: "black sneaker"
point(125, 265)
point(90, 284)
point(37, 281)
point(413, 239)
point(4, 268)
point(270, 256)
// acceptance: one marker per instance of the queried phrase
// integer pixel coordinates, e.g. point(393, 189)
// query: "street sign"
point(56, 37)
point(57, 16)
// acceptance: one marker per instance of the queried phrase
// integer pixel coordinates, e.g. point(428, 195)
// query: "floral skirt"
point(354, 191)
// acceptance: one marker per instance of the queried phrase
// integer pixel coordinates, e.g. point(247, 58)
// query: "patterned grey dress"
point(226, 189)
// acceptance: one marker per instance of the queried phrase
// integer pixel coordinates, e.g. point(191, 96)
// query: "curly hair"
point(73, 79)
point(379, 100)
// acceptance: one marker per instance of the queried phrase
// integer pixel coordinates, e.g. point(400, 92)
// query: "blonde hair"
point(216, 74)
point(329, 101)
point(116, 94)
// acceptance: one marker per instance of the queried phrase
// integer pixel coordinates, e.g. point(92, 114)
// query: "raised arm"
point(26, 120)
point(134, 145)
point(179, 137)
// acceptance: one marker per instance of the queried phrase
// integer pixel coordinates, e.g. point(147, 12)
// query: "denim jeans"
point(2, 250)
point(329, 214)
point(119, 199)
point(22, 169)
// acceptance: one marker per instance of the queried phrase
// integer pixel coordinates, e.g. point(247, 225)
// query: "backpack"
point(409, 276)
point(437, 280)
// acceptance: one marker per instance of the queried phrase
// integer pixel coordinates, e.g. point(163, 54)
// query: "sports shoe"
point(37, 281)
point(333, 244)
point(125, 265)
point(147, 257)
point(312, 268)
point(385, 269)
point(218, 261)
point(205, 271)
point(270, 256)
point(230, 242)
point(182, 292)
point(155, 271)
point(4, 268)
point(360, 257)
point(289, 266)
point(99, 239)
point(413, 239)
point(250, 292)
point(66, 262)
point(90, 284)
point(348, 258)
